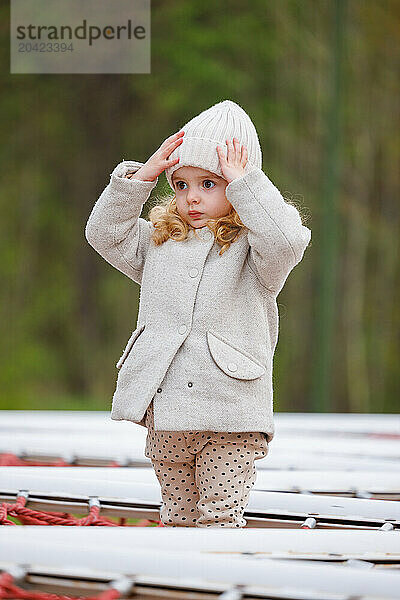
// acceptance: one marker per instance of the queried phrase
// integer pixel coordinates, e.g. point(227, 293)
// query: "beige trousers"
point(205, 476)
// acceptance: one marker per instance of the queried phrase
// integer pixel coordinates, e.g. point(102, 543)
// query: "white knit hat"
point(211, 128)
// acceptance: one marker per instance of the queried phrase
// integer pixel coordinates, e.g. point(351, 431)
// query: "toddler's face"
point(201, 191)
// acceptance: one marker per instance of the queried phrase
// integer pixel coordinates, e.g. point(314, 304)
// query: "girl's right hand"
point(159, 160)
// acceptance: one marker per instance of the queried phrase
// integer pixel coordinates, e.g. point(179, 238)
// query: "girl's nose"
point(192, 196)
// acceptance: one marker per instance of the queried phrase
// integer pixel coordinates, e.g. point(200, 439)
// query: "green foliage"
point(66, 313)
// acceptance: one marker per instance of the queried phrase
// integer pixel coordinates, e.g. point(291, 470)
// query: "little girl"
point(211, 261)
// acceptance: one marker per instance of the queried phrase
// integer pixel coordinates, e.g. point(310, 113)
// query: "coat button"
point(193, 272)
point(182, 329)
point(207, 236)
point(159, 390)
point(190, 384)
point(232, 366)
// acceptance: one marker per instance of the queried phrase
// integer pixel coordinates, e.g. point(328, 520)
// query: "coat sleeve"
point(115, 229)
point(276, 235)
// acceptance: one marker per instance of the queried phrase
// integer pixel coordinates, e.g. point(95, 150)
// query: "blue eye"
point(180, 184)
point(207, 188)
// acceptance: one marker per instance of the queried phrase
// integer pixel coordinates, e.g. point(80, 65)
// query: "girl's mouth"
point(195, 214)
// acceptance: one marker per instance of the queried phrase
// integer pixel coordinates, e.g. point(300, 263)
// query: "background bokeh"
point(320, 80)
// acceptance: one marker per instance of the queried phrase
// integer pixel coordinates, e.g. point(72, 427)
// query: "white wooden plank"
point(275, 574)
point(316, 481)
point(13, 479)
point(273, 540)
point(324, 422)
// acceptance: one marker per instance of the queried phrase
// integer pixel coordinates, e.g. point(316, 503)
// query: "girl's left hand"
point(232, 166)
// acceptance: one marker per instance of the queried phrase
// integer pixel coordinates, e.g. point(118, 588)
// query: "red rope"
point(8, 589)
point(28, 516)
point(8, 459)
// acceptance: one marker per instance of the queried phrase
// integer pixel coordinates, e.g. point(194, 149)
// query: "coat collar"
point(201, 232)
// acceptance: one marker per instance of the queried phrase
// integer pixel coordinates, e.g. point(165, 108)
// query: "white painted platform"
point(126, 485)
point(191, 555)
point(344, 423)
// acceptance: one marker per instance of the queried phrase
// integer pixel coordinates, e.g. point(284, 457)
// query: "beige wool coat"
point(207, 325)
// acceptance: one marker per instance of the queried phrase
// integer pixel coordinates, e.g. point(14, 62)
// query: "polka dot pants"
point(205, 476)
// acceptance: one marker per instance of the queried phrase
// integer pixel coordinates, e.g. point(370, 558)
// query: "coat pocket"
point(234, 362)
point(134, 335)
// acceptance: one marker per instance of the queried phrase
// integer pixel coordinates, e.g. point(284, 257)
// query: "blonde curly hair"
point(168, 223)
